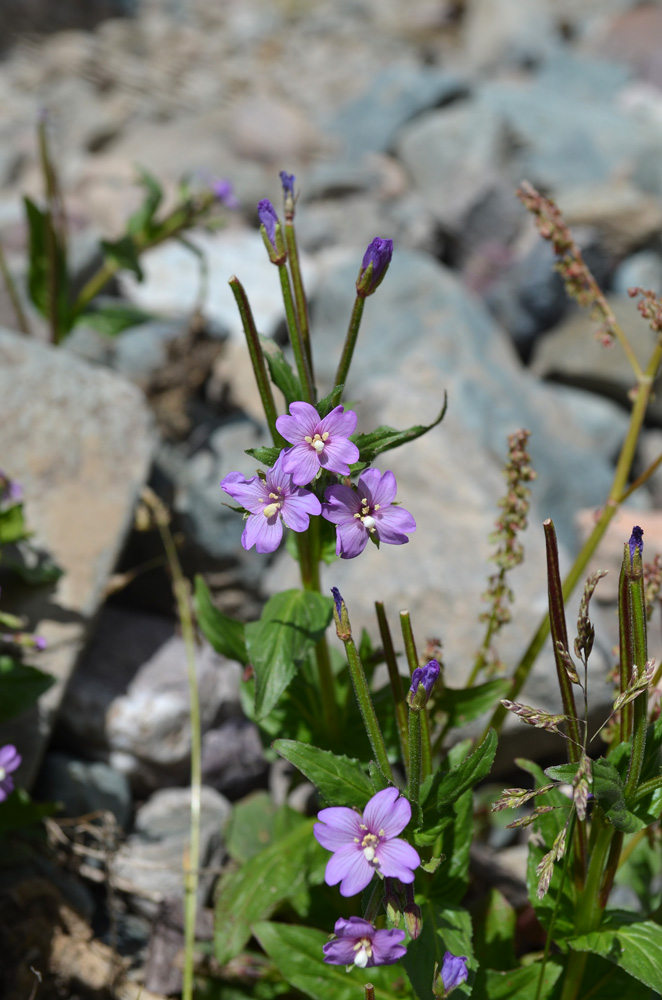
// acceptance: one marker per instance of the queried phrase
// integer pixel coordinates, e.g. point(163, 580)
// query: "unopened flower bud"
point(374, 266)
point(392, 903)
point(340, 616)
point(636, 547)
point(272, 232)
point(287, 180)
point(413, 920)
point(453, 973)
point(422, 681)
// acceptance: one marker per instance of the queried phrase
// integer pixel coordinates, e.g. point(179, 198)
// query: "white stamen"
point(368, 522)
point(271, 509)
point(318, 446)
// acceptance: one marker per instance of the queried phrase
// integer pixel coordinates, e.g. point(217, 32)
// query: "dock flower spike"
point(367, 511)
point(368, 843)
point(358, 943)
point(317, 442)
point(270, 500)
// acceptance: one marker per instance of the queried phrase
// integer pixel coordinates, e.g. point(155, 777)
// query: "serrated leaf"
point(340, 780)
point(445, 928)
point(329, 402)
point(267, 456)
point(609, 790)
point(385, 438)
point(281, 372)
point(632, 944)
point(225, 634)
point(465, 704)
point(124, 253)
point(297, 954)
point(21, 687)
point(291, 623)
point(255, 890)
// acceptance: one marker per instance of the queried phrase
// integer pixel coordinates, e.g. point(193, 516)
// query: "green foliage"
point(329, 402)
point(634, 945)
point(12, 524)
point(255, 824)
point(48, 278)
point(297, 954)
point(19, 812)
point(142, 220)
point(445, 928)
point(341, 781)
point(281, 371)
point(225, 634)
point(463, 705)
point(112, 317)
point(21, 687)
point(290, 624)
point(124, 253)
point(494, 922)
point(267, 456)
point(518, 984)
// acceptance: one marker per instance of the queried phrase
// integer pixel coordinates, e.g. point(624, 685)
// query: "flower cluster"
point(319, 443)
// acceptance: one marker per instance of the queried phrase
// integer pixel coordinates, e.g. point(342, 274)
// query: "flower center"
point(365, 514)
point(272, 508)
point(318, 441)
point(369, 844)
point(363, 949)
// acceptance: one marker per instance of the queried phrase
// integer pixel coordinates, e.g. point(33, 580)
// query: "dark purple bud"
point(337, 597)
point(340, 616)
point(375, 264)
point(266, 213)
point(453, 973)
point(422, 681)
point(287, 180)
point(223, 191)
point(636, 542)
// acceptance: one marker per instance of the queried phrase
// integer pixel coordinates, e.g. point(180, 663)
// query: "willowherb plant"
point(396, 795)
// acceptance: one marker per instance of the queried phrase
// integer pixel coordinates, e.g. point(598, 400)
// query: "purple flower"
point(636, 542)
point(268, 217)
point(358, 943)
point(363, 845)
point(375, 264)
point(366, 511)
point(11, 492)
point(453, 973)
point(287, 180)
point(223, 190)
point(318, 442)
point(10, 759)
point(270, 501)
point(425, 678)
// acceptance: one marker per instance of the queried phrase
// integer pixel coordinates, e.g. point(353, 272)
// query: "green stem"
point(182, 593)
point(296, 339)
point(559, 896)
point(414, 783)
point(560, 635)
point(14, 297)
point(257, 358)
point(310, 580)
point(299, 293)
point(350, 340)
point(395, 680)
point(637, 613)
point(645, 789)
point(412, 661)
point(367, 709)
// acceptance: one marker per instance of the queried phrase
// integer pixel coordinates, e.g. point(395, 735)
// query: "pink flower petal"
point(351, 539)
point(265, 533)
point(397, 858)
point(383, 814)
point(338, 423)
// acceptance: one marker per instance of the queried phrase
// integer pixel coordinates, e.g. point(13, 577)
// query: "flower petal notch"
point(368, 843)
point(367, 512)
point(270, 502)
point(317, 442)
point(358, 943)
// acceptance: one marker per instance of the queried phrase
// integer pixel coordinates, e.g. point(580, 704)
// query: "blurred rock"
point(83, 787)
point(233, 758)
point(639, 270)
point(508, 33)
point(624, 216)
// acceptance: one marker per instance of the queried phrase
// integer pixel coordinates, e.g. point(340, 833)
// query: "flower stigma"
point(363, 949)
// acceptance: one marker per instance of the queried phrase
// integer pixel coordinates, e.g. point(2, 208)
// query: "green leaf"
point(297, 954)
point(451, 879)
point(112, 318)
point(256, 890)
point(549, 824)
point(494, 922)
point(465, 704)
point(141, 219)
point(124, 253)
point(609, 790)
point(47, 272)
point(19, 812)
point(267, 456)
point(256, 823)
point(564, 925)
point(341, 781)
point(445, 928)
point(634, 945)
point(518, 984)
point(31, 564)
point(384, 438)
point(291, 623)
point(12, 524)
point(21, 687)
point(225, 634)
point(281, 371)
point(329, 402)
point(441, 790)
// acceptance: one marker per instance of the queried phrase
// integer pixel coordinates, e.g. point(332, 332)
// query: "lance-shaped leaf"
point(225, 634)
point(280, 370)
point(633, 944)
point(385, 438)
point(266, 455)
point(340, 780)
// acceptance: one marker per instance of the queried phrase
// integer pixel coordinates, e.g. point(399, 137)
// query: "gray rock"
point(639, 270)
point(233, 759)
point(79, 440)
point(83, 787)
point(369, 123)
point(506, 33)
point(150, 864)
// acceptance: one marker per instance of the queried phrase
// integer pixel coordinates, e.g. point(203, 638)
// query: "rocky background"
point(412, 121)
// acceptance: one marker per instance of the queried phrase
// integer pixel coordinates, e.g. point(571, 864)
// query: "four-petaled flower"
point(370, 510)
point(10, 759)
point(453, 973)
point(358, 943)
point(363, 845)
point(270, 501)
point(317, 442)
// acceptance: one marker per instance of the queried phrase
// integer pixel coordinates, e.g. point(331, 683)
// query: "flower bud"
point(340, 616)
point(636, 547)
point(453, 973)
point(287, 180)
point(272, 232)
point(413, 920)
point(374, 266)
point(422, 681)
